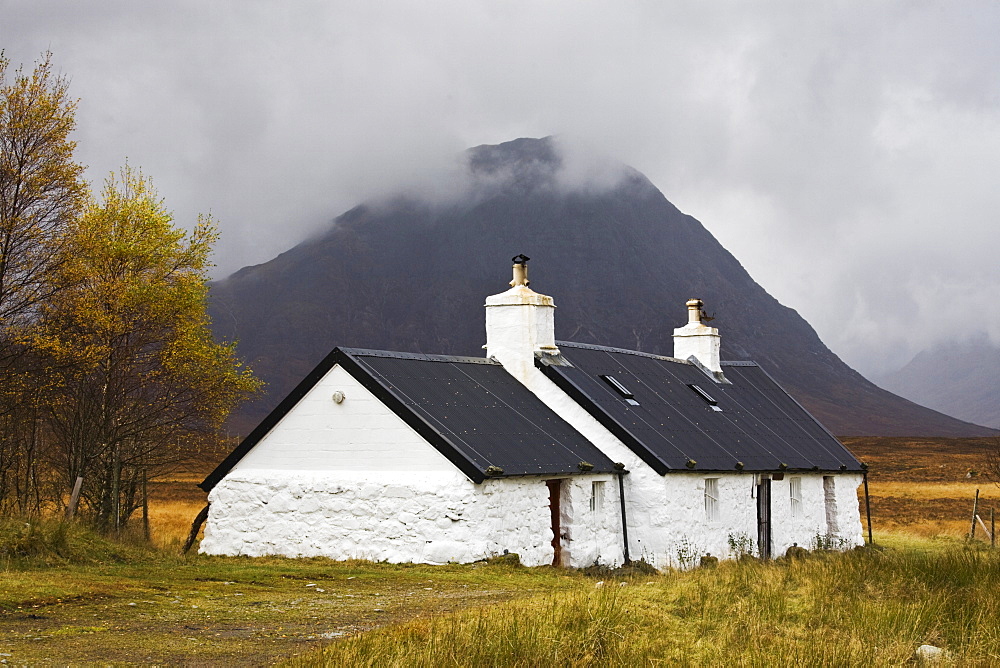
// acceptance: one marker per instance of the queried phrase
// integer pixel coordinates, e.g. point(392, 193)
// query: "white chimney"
point(696, 339)
point(519, 323)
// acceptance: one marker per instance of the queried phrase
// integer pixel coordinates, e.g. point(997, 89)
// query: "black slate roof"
point(470, 409)
point(751, 424)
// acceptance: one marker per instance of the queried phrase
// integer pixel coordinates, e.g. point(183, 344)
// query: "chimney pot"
point(694, 306)
point(520, 271)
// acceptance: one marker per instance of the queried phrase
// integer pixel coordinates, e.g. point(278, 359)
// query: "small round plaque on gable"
point(338, 397)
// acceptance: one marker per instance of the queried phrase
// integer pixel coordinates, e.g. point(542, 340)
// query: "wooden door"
point(764, 518)
point(555, 490)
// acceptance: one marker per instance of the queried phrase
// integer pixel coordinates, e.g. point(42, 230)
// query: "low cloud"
point(845, 153)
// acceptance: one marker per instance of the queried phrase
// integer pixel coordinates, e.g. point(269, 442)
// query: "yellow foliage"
point(140, 376)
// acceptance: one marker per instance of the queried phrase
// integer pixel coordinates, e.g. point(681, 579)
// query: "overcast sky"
point(847, 153)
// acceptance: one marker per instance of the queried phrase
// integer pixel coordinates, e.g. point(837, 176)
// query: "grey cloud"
point(844, 152)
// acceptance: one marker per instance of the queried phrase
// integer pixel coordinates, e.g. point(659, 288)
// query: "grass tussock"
point(863, 608)
point(27, 543)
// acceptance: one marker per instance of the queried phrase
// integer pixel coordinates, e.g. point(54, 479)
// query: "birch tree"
point(41, 188)
point(41, 192)
point(140, 378)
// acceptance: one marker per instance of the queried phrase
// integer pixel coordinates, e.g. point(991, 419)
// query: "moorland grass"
point(69, 596)
point(27, 543)
point(868, 607)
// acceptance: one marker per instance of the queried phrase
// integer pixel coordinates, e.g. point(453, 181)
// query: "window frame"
point(598, 491)
point(795, 495)
point(713, 504)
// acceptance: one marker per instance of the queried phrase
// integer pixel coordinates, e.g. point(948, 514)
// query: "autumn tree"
point(41, 188)
point(41, 192)
point(140, 378)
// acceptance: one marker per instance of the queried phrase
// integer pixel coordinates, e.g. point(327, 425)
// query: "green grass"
point(70, 596)
point(35, 543)
point(862, 608)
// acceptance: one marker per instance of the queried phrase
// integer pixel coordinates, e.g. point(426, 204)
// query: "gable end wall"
point(359, 434)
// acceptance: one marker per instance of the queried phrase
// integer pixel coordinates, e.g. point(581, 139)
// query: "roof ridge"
point(626, 351)
point(425, 357)
point(611, 349)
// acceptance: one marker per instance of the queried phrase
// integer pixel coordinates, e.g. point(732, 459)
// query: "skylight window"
point(621, 389)
point(706, 396)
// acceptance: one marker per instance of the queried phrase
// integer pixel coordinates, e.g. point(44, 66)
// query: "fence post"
point(868, 509)
point(975, 512)
point(993, 529)
point(74, 498)
point(145, 507)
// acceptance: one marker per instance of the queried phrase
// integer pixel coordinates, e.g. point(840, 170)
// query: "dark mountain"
point(618, 258)
point(960, 379)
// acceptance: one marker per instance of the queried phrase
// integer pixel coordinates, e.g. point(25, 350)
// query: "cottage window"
point(597, 496)
point(712, 499)
point(795, 494)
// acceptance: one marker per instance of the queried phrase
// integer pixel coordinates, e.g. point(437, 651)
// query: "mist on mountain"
point(410, 272)
point(960, 378)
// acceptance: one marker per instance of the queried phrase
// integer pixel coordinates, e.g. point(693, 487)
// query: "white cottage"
point(564, 453)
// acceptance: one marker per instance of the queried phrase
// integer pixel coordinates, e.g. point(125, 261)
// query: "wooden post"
point(975, 513)
point(116, 479)
point(868, 511)
point(195, 528)
point(983, 525)
point(145, 507)
point(74, 498)
point(993, 529)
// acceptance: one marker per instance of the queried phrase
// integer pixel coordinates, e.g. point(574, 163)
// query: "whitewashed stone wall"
point(666, 514)
point(431, 518)
point(592, 536)
point(352, 480)
point(682, 533)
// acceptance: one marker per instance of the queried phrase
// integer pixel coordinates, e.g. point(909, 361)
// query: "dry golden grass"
point(922, 485)
point(870, 607)
point(173, 504)
point(863, 608)
point(934, 490)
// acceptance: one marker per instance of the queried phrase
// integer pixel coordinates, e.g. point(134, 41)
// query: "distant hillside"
point(617, 257)
point(960, 379)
